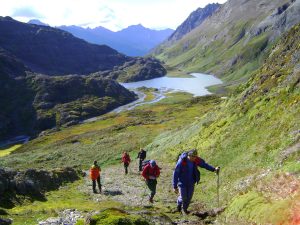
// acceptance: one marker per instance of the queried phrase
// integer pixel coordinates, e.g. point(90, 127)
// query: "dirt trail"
point(131, 189)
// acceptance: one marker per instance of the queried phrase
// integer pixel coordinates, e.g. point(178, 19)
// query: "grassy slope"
point(107, 138)
point(250, 136)
point(103, 140)
point(8, 150)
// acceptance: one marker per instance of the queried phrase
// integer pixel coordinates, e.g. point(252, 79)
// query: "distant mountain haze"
point(135, 40)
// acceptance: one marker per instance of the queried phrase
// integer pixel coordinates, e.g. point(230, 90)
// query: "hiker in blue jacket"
point(186, 175)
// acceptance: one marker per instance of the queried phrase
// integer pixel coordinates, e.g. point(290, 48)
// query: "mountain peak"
point(6, 18)
point(37, 22)
point(136, 27)
point(194, 20)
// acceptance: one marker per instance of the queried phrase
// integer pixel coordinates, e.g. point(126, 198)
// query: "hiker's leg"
point(126, 167)
point(153, 190)
point(94, 185)
point(183, 197)
point(190, 192)
point(150, 186)
point(99, 184)
point(140, 165)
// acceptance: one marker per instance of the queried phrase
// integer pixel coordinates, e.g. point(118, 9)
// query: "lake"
point(195, 85)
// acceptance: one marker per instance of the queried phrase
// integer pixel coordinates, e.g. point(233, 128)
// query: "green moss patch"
point(116, 217)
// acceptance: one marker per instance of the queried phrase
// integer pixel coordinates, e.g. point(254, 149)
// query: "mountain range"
point(135, 40)
point(47, 79)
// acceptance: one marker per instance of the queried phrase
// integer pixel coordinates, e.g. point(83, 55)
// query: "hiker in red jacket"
point(151, 173)
point(126, 160)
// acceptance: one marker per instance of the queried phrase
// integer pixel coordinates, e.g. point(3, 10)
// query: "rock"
point(33, 183)
point(66, 217)
point(5, 221)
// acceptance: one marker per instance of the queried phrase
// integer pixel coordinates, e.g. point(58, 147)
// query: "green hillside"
point(234, 41)
point(254, 136)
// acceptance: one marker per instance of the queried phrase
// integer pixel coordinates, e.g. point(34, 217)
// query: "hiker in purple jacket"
point(186, 175)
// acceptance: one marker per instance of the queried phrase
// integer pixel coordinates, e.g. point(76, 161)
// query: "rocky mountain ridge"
point(234, 40)
point(193, 20)
point(38, 102)
point(55, 52)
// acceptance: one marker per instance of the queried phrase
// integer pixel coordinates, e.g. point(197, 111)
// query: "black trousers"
point(126, 167)
point(152, 187)
point(99, 184)
point(140, 164)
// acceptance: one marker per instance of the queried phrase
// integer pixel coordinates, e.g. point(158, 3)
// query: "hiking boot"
point(179, 208)
point(151, 200)
point(185, 212)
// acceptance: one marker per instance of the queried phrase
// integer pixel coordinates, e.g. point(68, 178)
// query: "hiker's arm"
point(158, 172)
point(205, 165)
point(144, 173)
point(175, 176)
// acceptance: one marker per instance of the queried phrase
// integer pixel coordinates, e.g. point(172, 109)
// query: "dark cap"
point(192, 152)
point(152, 163)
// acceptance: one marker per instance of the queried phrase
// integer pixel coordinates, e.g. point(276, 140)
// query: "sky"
point(111, 14)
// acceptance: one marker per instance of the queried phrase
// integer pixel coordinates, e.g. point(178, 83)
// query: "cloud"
point(26, 12)
point(112, 14)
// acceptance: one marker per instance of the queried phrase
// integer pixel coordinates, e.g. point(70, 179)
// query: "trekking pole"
point(218, 186)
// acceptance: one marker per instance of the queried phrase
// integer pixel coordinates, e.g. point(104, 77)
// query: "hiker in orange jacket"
point(95, 176)
point(126, 160)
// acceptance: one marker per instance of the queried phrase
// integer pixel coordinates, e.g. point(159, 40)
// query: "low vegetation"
point(108, 137)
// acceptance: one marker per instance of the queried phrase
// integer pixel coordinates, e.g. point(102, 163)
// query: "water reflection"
point(195, 85)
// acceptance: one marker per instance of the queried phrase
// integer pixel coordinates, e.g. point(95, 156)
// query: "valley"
point(249, 125)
